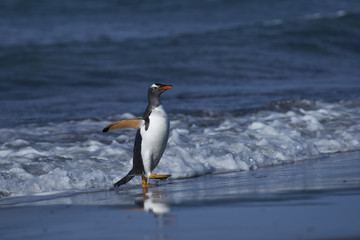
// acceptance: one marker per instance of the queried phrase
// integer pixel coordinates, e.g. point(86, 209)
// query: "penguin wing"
point(126, 123)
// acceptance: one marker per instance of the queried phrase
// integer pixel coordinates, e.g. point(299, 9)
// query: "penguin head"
point(158, 88)
point(155, 90)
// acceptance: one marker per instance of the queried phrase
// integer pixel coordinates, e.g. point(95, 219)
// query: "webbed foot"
point(144, 183)
point(158, 176)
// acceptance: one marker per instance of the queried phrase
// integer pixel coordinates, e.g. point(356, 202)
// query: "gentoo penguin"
point(151, 137)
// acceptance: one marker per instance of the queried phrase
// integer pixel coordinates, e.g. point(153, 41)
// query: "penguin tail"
point(124, 180)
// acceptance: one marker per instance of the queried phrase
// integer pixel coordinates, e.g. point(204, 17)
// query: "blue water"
point(256, 83)
point(87, 59)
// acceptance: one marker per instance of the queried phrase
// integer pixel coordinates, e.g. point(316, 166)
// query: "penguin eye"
point(155, 88)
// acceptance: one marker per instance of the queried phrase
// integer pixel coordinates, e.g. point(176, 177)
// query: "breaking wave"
point(76, 155)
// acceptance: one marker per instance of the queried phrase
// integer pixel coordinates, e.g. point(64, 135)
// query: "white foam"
point(341, 13)
point(77, 155)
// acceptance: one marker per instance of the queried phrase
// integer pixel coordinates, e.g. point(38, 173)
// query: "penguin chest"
point(154, 139)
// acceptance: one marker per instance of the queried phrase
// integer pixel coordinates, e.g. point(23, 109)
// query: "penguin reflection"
point(153, 201)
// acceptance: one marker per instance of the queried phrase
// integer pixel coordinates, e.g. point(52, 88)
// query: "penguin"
point(151, 137)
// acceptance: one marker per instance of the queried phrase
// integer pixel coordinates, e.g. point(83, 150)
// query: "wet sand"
point(305, 200)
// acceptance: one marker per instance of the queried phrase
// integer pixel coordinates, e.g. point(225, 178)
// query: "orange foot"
point(144, 183)
point(157, 176)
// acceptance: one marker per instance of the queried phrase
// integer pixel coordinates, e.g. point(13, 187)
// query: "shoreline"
point(306, 200)
point(332, 215)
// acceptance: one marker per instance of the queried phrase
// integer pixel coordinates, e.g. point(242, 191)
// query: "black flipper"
point(125, 179)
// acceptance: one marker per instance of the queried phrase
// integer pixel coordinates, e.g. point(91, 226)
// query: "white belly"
point(154, 139)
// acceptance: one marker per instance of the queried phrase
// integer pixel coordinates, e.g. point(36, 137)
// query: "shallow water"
point(312, 199)
point(301, 180)
point(328, 217)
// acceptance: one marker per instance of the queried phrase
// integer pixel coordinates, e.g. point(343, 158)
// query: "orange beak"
point(166, 87)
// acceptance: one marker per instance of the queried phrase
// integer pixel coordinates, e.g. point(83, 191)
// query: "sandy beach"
point(305, 200)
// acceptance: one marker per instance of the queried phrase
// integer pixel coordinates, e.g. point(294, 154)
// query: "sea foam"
point(76, 155)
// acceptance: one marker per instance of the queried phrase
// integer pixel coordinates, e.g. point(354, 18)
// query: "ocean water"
point(256, 84)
